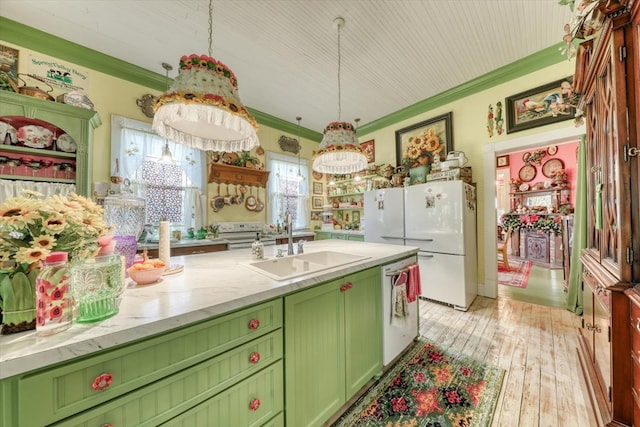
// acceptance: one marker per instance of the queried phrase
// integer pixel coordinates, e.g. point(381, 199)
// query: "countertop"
point(181, 299)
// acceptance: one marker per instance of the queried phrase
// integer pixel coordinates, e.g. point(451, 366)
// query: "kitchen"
point(479, 157)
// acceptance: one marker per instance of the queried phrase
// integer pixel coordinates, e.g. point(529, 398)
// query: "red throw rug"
point(429, 387)
point(517, 276)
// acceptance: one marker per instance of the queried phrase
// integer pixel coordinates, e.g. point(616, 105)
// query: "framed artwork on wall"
point(369, 150)
point(317, 188)
point(550, 103)
point(316, 202)
point(419, 144)
point(502, 161)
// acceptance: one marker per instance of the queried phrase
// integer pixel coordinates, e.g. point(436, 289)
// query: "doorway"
point(490, 151)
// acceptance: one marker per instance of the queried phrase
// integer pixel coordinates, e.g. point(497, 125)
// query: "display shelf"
point(346, 194)
point(38, 178)
point(18, 149)
point(362, 179)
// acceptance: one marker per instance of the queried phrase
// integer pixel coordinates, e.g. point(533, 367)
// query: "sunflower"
point(44, 241)
point(31, 255)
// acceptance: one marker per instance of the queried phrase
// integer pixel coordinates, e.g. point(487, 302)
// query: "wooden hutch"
point(608, 79)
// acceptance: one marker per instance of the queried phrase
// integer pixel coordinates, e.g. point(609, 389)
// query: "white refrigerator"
point(440, 219)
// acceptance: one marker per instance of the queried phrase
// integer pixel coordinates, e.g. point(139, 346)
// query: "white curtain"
point(133, 143)
point(10, 189)
point(283, 184)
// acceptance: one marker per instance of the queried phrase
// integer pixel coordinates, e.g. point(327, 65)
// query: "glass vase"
point(96, 285)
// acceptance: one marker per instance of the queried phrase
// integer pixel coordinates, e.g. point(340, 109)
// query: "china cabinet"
point(606, 77)
point(77, 123)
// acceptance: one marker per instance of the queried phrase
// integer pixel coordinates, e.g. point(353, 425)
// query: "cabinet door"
point(609, 208)
point(363, 332)
point(602, 344)
point(588, 320)
point(314, 349)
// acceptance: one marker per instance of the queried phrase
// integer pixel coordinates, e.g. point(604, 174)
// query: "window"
point(286, 191)
point(172, 190)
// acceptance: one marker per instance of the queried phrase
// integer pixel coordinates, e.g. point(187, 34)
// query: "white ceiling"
point(395, 53)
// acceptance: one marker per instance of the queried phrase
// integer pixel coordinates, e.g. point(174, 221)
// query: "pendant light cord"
point(210, 27)
point(339, 86)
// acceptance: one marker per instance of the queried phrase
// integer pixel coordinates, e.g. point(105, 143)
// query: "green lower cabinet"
point(333, 336)
point(322, 236)
point(356, 237)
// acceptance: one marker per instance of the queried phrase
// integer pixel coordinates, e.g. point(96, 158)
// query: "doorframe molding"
point(489, 152)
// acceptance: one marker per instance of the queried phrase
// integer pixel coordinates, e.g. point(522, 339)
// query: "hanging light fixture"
point(300, 177)
point(202, 109)
point(166, 156)
point(339, 151)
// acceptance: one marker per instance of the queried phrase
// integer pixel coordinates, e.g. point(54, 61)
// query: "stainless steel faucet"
point(290, 233)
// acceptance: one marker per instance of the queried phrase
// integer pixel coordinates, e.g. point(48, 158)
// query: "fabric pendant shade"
point(202, 108)
point(339, 151)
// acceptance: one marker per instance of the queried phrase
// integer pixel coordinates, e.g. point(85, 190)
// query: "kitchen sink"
point(297, 265)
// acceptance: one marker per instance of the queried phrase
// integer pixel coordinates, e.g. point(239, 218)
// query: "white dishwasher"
point(396, 336)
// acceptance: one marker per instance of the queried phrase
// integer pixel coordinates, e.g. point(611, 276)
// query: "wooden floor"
point(535, 344)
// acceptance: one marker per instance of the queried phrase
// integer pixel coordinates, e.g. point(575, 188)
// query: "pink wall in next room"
point(566, 152)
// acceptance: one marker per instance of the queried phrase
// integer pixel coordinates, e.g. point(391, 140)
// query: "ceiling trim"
point(40, 41)
point(526, 65)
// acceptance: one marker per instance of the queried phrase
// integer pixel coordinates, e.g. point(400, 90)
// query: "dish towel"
point(399, 304)
point(413, 283)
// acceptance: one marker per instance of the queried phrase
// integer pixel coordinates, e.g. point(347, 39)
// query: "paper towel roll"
point(164, 243)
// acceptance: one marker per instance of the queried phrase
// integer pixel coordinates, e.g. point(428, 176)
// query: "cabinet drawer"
point(250, 403)
point(278, 421)
point(75, 387)
point(600, 292)
point(169, 397)
point(190, 250)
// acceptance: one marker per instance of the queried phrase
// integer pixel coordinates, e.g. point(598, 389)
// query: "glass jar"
point(54, 304)
point(97, 285)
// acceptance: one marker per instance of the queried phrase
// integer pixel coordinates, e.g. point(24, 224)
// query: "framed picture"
point(316, 215)
point(425, 142)
point(370, 150)
point(317, 188)
point(502, 161)
point(316, 202)
point(356, 216)
point(553, 102)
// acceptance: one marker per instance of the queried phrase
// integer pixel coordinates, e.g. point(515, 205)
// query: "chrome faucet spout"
point(290, 234)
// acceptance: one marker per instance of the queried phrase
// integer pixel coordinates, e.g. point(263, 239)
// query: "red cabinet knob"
point(254, 358)
point(107, 425)
point(349, 285)
point(102, 382)
point(343, 288)
point(254, 324)
point(254, 405)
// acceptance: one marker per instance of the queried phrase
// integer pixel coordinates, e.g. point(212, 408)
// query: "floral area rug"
point(429, 387)
point(517, 276)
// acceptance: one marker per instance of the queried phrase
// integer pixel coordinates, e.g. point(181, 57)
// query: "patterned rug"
point(517, 276)
point(429, 387)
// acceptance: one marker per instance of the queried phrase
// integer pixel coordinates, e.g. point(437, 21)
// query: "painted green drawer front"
point(322, 236)
point(67, 390)
point(357, 238)
point(340, 236)
point(233, 407)
point(165, 399)
point(278, 421)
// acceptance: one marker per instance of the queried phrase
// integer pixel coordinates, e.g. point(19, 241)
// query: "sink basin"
point(297, 265)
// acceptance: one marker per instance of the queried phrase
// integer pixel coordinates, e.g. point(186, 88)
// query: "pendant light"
point(202, 109)
point(339, 151)
point(300, 177)
point(166, 156)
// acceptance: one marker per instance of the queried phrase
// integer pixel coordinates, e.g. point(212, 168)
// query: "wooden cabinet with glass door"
point(606, 69)
point(46, 141)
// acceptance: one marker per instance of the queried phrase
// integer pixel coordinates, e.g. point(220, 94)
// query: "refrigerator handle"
point(425, 255)
point(392, 237)
point(421, 240)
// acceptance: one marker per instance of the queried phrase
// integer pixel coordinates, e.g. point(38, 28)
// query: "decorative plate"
point(527, 173)
point(7, 134)
point(66, 143)
point(525, 157)
point(551, 166)
point(35, 136)
point(524, 187)
point(552, 150)
point(317, 175)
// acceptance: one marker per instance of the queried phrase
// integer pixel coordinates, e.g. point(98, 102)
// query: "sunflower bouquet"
point(30, 229)
point(422, 149)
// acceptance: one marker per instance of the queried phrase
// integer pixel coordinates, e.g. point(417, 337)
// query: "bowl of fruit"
point(147, 271)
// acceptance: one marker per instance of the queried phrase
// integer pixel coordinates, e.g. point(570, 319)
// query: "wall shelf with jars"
point(547, 200)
